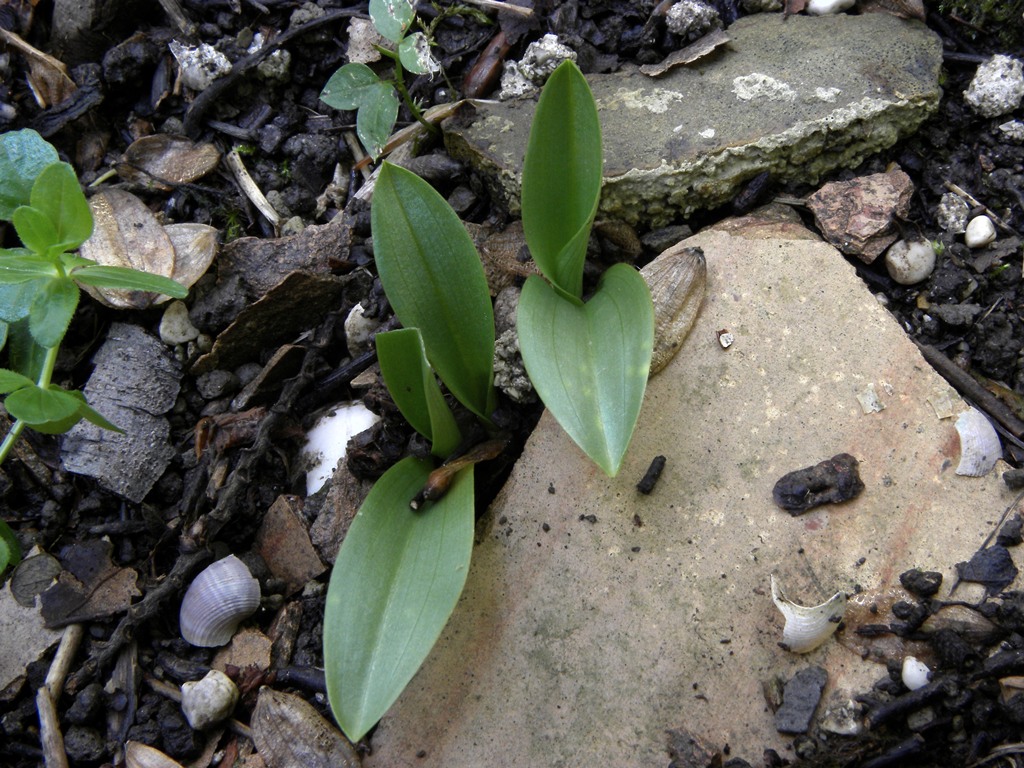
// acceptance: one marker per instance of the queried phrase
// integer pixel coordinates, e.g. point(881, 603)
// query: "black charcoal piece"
point(800, 698)
point(829, 482)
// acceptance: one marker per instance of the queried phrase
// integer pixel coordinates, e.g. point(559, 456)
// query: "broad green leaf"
point(398, 576)
point(19, 266)
point(391, 17)
point(57, 193)
point(23, 155)
point(12, 380)
point(24, 354)
point(128, 279)
point(39, 406)
point(52, 310)
point(433, 278)
point(411, 382)
point(376, 117)
point(90, 414)
point(36, 231)
point(10, 550)
point(350, 87)
point(590, 363)
point(562, 178)
point(16, 298)
point(414, 53)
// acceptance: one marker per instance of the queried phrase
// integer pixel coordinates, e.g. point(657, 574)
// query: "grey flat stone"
point(799, 700)
point(795, 97)
point(586, 642)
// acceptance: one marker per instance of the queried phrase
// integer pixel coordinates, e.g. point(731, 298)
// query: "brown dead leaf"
point(90, 587)
point(905, 9)
point(793, 7)
point(164, 161)
point(47, 77)
point(691, 53)
point(127, 234)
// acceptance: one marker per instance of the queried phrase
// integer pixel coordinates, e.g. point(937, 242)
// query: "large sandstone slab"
point(582, 643)
point(795, 97)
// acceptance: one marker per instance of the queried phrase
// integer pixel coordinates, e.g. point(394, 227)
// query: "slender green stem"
point(399, 84)
point(44, 381)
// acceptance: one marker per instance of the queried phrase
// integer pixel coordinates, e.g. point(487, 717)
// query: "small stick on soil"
point(495, 5)
point(971, 389)
point(49, 692)
point(173, 9)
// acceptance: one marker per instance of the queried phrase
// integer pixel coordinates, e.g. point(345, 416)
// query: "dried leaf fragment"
point(126, 234)
point(195, 246)
point(287, 731)
point(90, 587)
point(904, 9)
point(691, 53)
point(47, 77)
point(164, 161)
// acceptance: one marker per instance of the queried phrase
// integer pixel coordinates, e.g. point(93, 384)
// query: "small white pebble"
point(824, 7)
point(175, 326)
point(915, 673)
point(910, 261)
point(208, 701)
point(980, 232)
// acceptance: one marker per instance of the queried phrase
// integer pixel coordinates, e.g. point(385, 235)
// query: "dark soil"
point(293, 146)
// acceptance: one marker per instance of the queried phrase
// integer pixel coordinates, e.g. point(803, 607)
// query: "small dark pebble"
point(1014, 479)
point(921, 583)
point(84, 745)
point(179, 740)
point(1012, 532)
point(829, 482)
point(647, 483)
point(589, 518)
point(952, 650)
point(799, 700)
point(545, 527)
point(992, 567)
point(87, 704)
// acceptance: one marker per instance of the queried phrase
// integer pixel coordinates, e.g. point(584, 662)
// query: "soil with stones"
point(970, 312)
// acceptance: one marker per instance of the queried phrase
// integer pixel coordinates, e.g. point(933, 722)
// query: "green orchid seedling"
point(356, 86)
point(40, 283)
point(588, 361)
point(400, 571)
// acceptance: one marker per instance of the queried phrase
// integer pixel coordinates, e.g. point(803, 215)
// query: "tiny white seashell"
point(980, 448)
point(220, 598)
point(807, 627)
point(915, 673)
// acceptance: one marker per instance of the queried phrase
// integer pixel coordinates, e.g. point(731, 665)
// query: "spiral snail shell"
point(219, 599)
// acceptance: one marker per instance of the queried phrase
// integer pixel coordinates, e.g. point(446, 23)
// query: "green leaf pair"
point(39, 284)
point(357, 87)
point(588, 361)
point(399, 573)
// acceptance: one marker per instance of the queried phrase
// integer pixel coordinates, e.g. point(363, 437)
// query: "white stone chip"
point(980, 232)
point(997, 87)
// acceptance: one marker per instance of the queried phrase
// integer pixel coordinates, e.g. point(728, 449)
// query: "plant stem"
point(399, 84)
point(18, 426)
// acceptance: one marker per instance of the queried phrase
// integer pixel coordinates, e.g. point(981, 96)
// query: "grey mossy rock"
point(797, 97)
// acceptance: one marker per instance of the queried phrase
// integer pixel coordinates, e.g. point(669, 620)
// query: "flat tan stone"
point(585, 643)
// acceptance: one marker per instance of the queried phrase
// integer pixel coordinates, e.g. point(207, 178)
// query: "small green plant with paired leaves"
point(40, 284)
point(357, 87)
point(399, 572)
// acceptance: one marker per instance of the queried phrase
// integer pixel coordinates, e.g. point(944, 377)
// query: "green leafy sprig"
point(355, 86)
point(40, 283)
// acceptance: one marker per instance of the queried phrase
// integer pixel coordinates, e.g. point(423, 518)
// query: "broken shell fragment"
point(807, 627)
point(980, 448)
point(915, 673)
point(288, 731)
point(139, 755)
point(220, 598)
point(678, 281)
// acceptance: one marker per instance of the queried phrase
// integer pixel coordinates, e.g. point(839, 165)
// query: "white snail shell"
point(980, 448)
point(807, 627)
point(220, 598)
